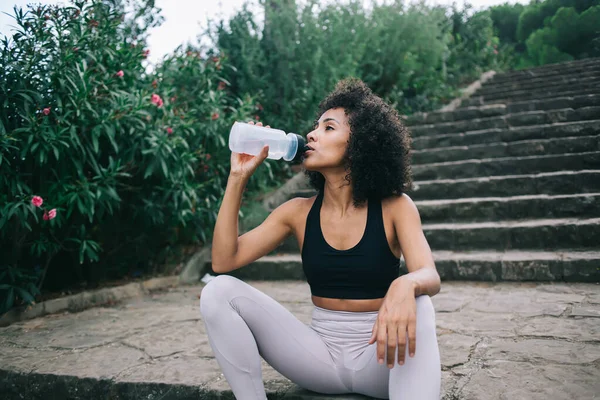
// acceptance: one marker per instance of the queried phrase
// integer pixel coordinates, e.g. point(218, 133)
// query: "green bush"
point(414, 56)
point(130, 166)
point(566, 36)
point(506, 19)
point(547, 31)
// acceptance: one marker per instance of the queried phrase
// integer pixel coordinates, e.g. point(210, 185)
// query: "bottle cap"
point(302, 147)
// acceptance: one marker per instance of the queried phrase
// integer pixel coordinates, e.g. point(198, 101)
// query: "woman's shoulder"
point(297, 207)
point(398, 205)
point(295, 211)
point(400, 200)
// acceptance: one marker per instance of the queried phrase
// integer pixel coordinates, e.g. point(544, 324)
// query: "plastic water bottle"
point(250, 139)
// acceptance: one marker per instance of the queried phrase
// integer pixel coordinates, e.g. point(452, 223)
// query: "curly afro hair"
point(377, 157)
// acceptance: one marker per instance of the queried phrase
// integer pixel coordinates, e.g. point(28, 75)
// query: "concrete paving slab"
point(499, 340)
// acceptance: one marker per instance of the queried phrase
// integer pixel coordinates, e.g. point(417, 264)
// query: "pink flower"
point(48, 215)
point(120, 74)
point(154, 83)
point(46, 111)
point(145, 53)
point(208, 156)
point(215, 116)
point(37, 201)
point(495, 51)
point(156, 100)
point(221, 86)
point(169, 130)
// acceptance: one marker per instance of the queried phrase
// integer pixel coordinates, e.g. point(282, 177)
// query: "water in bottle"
point(250, 139)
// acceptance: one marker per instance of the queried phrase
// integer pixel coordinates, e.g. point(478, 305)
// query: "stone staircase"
point(507, 184)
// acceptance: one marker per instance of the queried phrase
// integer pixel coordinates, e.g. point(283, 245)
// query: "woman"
point(351, 237)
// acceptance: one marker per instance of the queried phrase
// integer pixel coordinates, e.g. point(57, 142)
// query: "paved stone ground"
point(497, 341)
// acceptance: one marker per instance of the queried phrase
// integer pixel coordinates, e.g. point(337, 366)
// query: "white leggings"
point(331, 355)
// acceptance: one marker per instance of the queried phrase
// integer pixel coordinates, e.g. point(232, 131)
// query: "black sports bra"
point(362, 272)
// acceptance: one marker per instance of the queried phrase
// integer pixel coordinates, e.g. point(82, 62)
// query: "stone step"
point(488, 265)
point(536, 206)
point(547, 183)
point(434, 117)
point(520, 148)
point(527, 96)
point(500, 166)
point(513, 265)
point(582, 73)
point(542, 92)
point(538, 234)
point(509, 120)
point(564, 68)
point(553, 103)
point(550, 183)
point(503, 208)
point(492, 110)
point(543, 80)
point(513, 134)
point(489, 88)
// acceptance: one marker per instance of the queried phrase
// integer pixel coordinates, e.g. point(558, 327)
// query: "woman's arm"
point(230, 252)
point(422, 275)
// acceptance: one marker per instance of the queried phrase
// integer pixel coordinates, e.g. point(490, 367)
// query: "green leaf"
point(164, 167)
point(25, 96)
point(150, 169)
point(95, 143)
point(25, 296)
point(112, 193)
point(110, 133)
point(82, 249)
point(9, 300)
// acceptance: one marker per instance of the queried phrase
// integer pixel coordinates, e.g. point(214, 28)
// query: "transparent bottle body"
point(250, 139)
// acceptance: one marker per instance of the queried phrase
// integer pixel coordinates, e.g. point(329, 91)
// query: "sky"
point(185, 19)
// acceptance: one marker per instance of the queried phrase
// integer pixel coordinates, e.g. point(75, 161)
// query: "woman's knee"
point(425, 311)
point(217, 293)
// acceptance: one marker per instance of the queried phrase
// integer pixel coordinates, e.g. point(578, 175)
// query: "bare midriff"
point(347, 304)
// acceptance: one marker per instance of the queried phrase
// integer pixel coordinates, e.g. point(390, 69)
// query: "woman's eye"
point(329, 127)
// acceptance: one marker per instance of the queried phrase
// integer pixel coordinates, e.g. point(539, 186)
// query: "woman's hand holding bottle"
point(243, 165)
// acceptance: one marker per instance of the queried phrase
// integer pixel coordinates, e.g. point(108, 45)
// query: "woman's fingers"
point(264, 152)
point(258, 124)
point(392, 336)
point(401, 329)
point(412, 337)
point(391, 344)
point(373, 334)
point(381, 341)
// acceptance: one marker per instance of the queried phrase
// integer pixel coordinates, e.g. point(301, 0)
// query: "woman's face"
point(328, 140)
